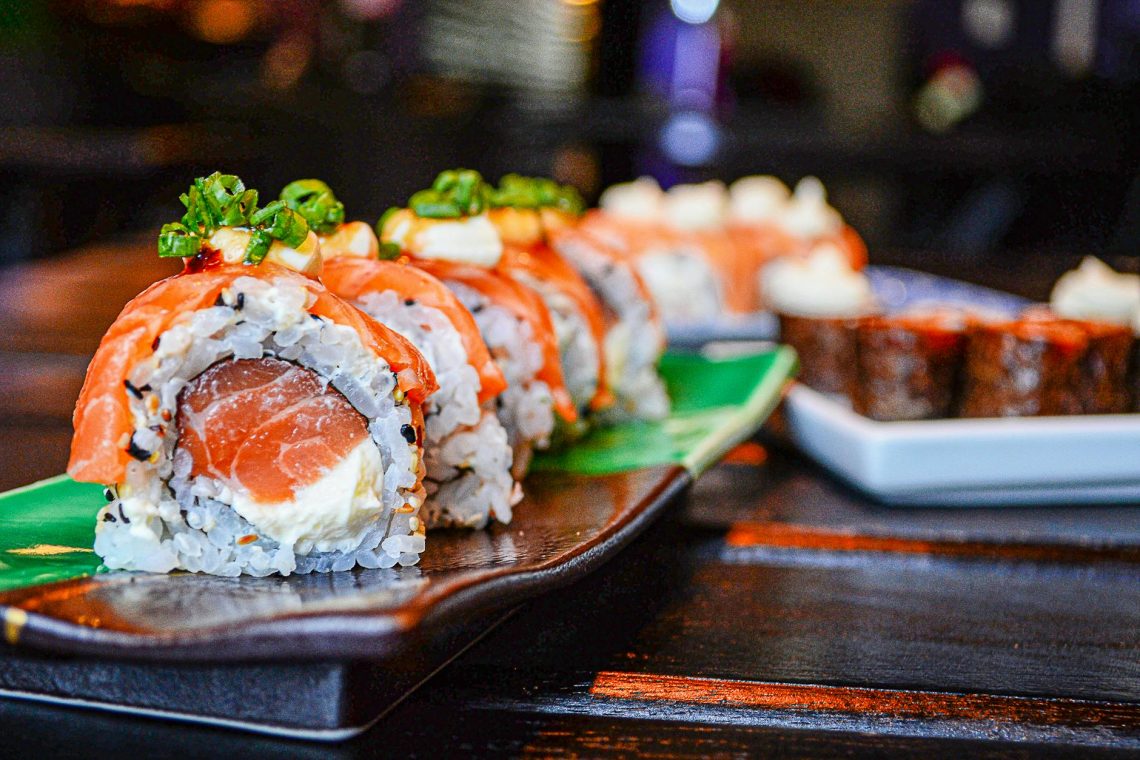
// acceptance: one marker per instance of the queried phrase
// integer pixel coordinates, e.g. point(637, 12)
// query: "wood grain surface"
point(778, 613)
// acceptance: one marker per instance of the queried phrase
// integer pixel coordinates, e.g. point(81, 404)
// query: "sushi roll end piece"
point(245, 419)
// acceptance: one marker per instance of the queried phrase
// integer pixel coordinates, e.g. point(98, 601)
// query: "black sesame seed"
point(219, 301)
point(154, 344)
point(108, 517)
point(183, 512)
point(137, 452)
point(136, 392)
point(316, 317)
point(123, 517)
point(145, 388)
point(499, 402)
point(108, 494)
point(409, 302)
point(240, 304)
point(477, 308)
point(408, 432)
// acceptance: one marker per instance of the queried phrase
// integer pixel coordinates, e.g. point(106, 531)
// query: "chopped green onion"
point(434, 204)
point(260, 242)
point(222, 200)
point(389, 251)
point(289, 227)
point(454, 193)
point(314, 200)
point(174, 240)
point(516, 191)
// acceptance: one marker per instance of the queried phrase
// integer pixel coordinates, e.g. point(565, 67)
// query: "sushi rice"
point(526, 408)
point(466, 451)
point(576, 345)
point(634, 343)
point(160, 518)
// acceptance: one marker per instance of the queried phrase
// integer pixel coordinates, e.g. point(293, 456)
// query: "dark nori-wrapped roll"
point(909, 365)
point(1103, 382)
point(827, 351)
point(1104, 374)
point(1023, 368)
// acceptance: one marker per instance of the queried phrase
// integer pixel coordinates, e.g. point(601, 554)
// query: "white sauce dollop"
point(757, 199)
point(640, 200)
point(1095, 291)
point(472, 240)
point(807, 214)
point(696, 208)
point(821, 285)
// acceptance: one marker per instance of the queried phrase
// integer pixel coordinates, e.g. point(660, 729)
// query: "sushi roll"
point(1103, 375)
point(453, 239)
point(520, 335)
point(1022, 368)
point(696, 216)
point(772, 222)
point(684, 282)
point(244, 418)
point(634, 335)
point(909, 364)
point(577, 313)
point(523, 257)
point(820, 301)
point(545, 247)
point(466, 451)
point(1095, 292)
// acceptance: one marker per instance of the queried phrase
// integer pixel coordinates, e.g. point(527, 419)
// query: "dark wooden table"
point(773, 612)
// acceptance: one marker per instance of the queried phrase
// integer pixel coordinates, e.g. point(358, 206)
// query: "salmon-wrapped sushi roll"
point(523, 257)
point(466, 450)
point(577, 313)
point(634, 335)
point(679, 273)
point(453, 239)
point(245, 419)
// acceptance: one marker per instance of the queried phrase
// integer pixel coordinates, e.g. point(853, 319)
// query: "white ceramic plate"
point(975, 462)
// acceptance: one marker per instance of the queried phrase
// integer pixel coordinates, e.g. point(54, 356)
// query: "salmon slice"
point(265, 426)
point(351, 278)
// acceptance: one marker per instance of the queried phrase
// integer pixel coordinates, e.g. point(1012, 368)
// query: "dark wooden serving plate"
point(242, 651)
point(323, 655)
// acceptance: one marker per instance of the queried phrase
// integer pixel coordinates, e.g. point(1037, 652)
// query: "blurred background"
point(948, 132)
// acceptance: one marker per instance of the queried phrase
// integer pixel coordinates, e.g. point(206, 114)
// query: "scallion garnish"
point(314, 200)
point(516, 191)
point(222, 200)
point(455, 193)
